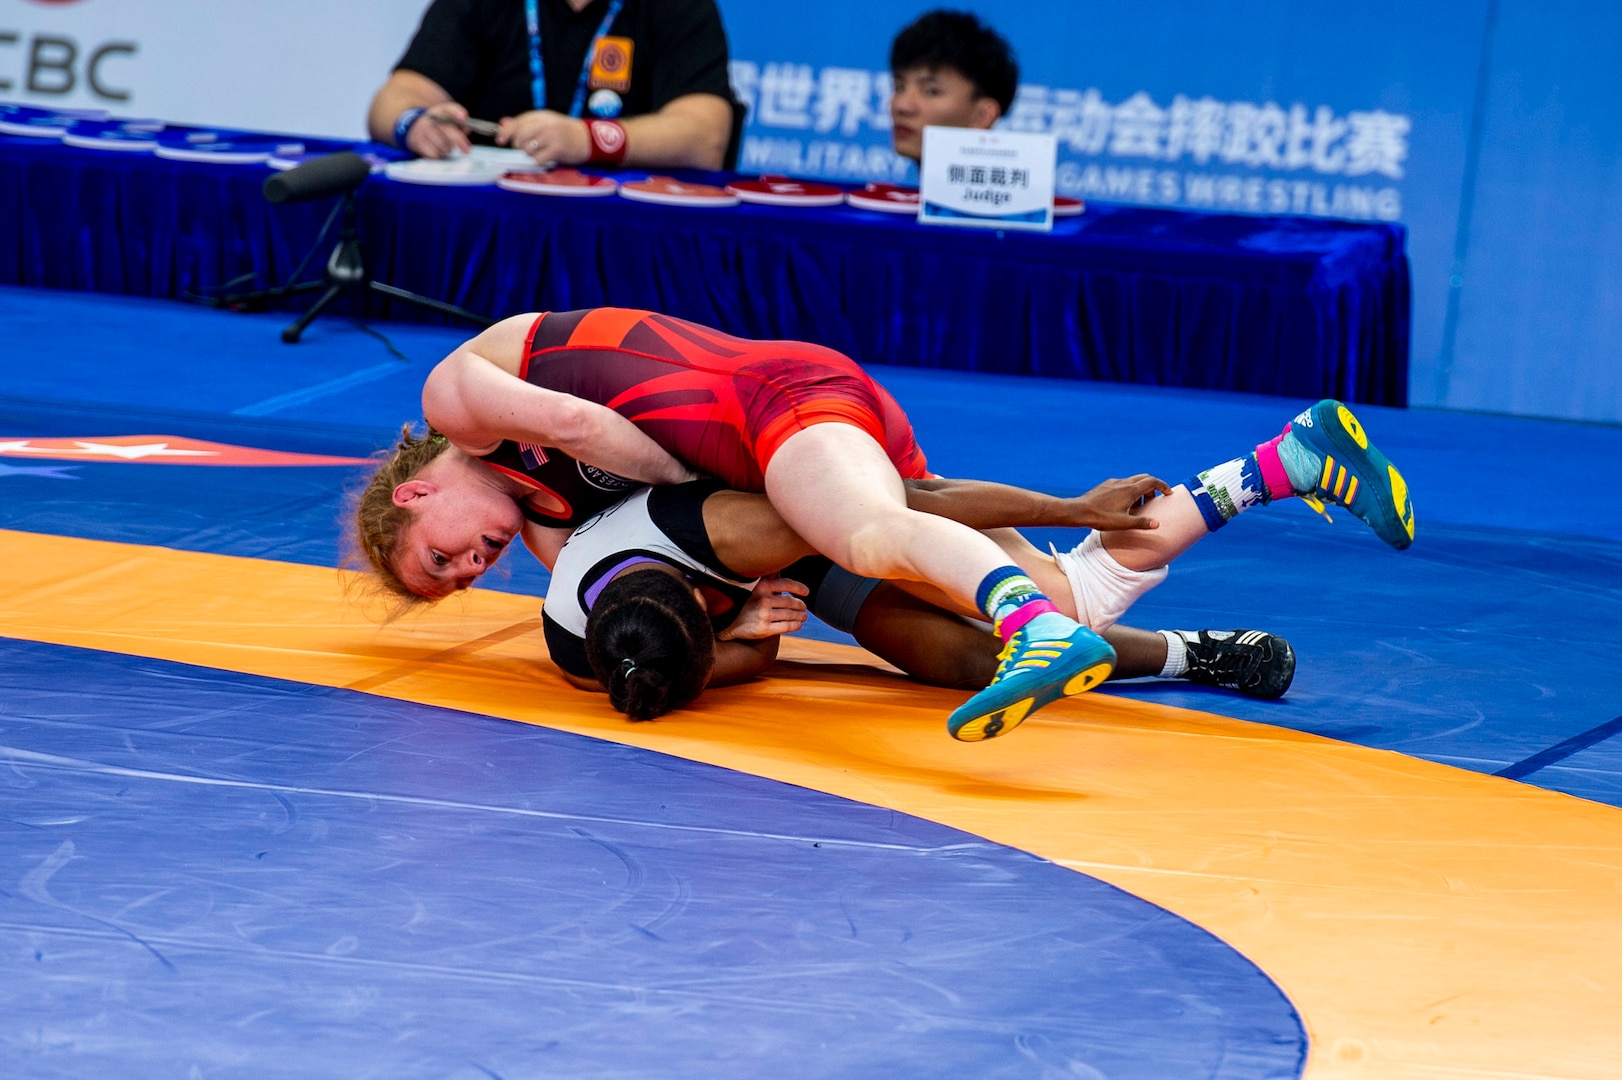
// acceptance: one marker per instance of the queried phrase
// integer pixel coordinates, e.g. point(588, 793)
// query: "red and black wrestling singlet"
point(566, 492)
point(721, 404)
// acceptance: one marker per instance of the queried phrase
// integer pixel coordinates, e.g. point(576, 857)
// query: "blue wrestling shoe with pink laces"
point(1353, 473)
point(1037, 666)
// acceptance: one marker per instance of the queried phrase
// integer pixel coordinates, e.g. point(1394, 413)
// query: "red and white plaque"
point(570, 182)
point(887, 198)
point(663, 189)
point(781, 191)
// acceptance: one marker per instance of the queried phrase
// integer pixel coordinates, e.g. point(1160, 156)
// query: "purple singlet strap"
point(608, 575)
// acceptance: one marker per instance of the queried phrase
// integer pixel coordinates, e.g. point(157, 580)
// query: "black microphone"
point(333, 174)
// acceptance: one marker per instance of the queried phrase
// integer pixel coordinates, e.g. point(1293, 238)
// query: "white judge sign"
point(987, 179)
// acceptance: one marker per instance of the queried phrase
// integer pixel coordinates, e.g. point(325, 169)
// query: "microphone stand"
point(345, 273)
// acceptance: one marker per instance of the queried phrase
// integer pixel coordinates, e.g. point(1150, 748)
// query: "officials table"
point(1305, 307)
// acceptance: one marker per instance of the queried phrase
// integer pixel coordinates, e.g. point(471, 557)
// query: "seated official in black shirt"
point(950, 70)
point(599, 82)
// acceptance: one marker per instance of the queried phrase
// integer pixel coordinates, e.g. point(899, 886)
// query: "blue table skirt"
point(1303, 307)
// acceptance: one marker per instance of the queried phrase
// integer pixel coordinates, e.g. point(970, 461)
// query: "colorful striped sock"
point(1278, 469)
point(1224, 491)
point(1011, 600)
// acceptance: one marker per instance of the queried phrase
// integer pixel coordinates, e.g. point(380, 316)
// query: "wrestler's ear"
point(410, 491)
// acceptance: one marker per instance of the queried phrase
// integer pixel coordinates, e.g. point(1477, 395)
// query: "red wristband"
point(607, 142)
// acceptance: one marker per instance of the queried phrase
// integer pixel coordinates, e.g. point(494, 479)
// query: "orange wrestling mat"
point(1425, 921)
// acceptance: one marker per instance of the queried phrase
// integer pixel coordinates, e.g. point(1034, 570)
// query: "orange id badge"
point(611, 65)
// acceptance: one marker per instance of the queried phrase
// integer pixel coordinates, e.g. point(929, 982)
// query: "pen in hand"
point(477, 127)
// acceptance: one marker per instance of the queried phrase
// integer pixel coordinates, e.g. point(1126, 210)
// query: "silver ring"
point(534, 144)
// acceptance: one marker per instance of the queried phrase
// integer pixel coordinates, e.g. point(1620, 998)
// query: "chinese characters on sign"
point(1194, 152)
point(993, 175)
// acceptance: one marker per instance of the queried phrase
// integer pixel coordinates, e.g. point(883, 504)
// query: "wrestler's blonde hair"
point(376, 523)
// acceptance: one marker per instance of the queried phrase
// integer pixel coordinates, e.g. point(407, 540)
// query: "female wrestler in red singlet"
point(653, 399)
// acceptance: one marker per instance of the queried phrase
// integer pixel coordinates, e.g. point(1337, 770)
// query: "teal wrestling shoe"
point(1353, 473)
point(1032, 671)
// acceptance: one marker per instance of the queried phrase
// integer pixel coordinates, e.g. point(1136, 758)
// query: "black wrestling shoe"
point(1253, 662)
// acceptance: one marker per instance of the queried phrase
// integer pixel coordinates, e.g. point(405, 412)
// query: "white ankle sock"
point(1176, 654)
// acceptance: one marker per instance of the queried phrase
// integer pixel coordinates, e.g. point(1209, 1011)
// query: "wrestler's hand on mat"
point(431, 139)
point(1109, 506)
point(548, 137)
point(774, 608)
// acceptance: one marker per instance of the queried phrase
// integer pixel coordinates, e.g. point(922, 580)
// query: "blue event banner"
point(1259, 106)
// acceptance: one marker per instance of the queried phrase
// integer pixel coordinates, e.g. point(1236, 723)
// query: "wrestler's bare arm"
point(980, 504)
point(544, 542)
point(740, 661)
point(475, 397)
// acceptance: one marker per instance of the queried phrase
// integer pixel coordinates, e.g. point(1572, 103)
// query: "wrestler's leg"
point(1181, 527)
point(937, 647)
point(929, 644)
point(1038, 565)
point(1104, 584)
point(836, 487)
point(911, 625)
point(1139, 653)
point(1323, 455)
point(1096, 582)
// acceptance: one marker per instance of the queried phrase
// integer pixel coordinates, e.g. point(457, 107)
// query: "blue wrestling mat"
point(400, 890)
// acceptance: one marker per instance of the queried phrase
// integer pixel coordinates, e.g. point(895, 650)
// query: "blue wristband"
point(403, 125)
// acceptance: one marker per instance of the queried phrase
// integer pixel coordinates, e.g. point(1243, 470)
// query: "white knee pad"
point(1103, 588)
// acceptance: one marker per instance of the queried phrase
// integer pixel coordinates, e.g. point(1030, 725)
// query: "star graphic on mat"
point(132, 453)
point(53, 472)
point(128, 453)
